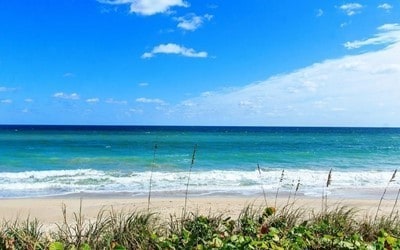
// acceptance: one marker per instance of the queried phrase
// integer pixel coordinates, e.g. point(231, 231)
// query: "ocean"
point(41, 161)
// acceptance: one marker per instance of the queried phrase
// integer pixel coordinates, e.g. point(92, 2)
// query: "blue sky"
point(200, 62)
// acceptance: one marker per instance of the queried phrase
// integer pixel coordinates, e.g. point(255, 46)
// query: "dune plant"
point(188, 178)
point(296, 190)
point(395, 203)
point(384, 192)
point(325, 191)
point(255, 228)
point(261, 184)
point(279, 185)
point(27, 234)
point(132, 230)
point(72, 235)
point(151, 175)
point(290, 193)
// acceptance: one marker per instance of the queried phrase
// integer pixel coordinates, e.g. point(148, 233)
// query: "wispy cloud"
point(172, 48)
point(68, 75)
point(6, 89)
point(385, 6)
point(344, 24)
point(192, 22)
point(136, 111)
point(351, 8)
point(119, 102)
point(28, 100)
point(389, 33)
point(93, 100)
point(354, 90)
point(143, 84)
point(319, 13)
point(62, 95)
point(149, 100)
point(148, 7)
point(6, 101)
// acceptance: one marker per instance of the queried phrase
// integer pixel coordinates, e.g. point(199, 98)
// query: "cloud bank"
point(354, 90)
point(389, 33)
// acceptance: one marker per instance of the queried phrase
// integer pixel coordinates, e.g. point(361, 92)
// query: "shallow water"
point(56, 160)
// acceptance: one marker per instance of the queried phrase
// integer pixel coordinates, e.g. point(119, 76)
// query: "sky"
point(200, 62)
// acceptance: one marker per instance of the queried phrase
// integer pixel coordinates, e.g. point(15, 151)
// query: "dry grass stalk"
point(395, 203)
point(188, 180)
point(384, 192)
point(325, 192)
point(151, 176)
point(280, 183)
point(262, 186)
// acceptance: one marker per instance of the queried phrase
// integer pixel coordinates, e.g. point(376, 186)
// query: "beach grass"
point(256, 227)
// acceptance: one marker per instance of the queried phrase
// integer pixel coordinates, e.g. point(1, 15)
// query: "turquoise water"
point(57, 160)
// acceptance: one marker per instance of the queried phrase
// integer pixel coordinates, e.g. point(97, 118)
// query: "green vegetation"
point(262, 228)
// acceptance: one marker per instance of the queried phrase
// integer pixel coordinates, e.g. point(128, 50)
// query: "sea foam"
point(312, 182)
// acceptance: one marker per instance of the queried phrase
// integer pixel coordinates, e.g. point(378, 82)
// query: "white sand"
point(49, 210)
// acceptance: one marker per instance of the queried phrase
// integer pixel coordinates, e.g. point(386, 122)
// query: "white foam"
point(312, 182)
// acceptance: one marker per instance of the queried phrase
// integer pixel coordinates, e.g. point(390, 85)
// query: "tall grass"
point(384, 192)
point(395, 203)
point(255, 228)
point(261, 184)
point(325, 191)
point(279, 185)
point(296, 190)
point(151, 176)
point(188, 178)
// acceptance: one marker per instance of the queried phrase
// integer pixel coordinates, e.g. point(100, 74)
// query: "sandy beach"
point(49, 210)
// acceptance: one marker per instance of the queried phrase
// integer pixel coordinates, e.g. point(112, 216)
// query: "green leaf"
point(56, 246)
point(217, 242)
point(85, 247)
point(391, 240)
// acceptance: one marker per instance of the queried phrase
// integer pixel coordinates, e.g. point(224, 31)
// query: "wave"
point(312, 182)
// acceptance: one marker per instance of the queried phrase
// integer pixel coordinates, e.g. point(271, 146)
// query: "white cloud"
point(136, 111)
point(143, 84)
point(28, 100)
point(6, 101)
point(6, 89)
point(68, 75)
point(385, 6)
point(119, 102)
point(320, 13)
point(62, 95)
point(148, 100)
point(148, 7)
point(389, 33)
point(171, 48)
point(344, 24)
point(356, 90)
point(192, 22)
point(93, 100)
point(351, 8)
